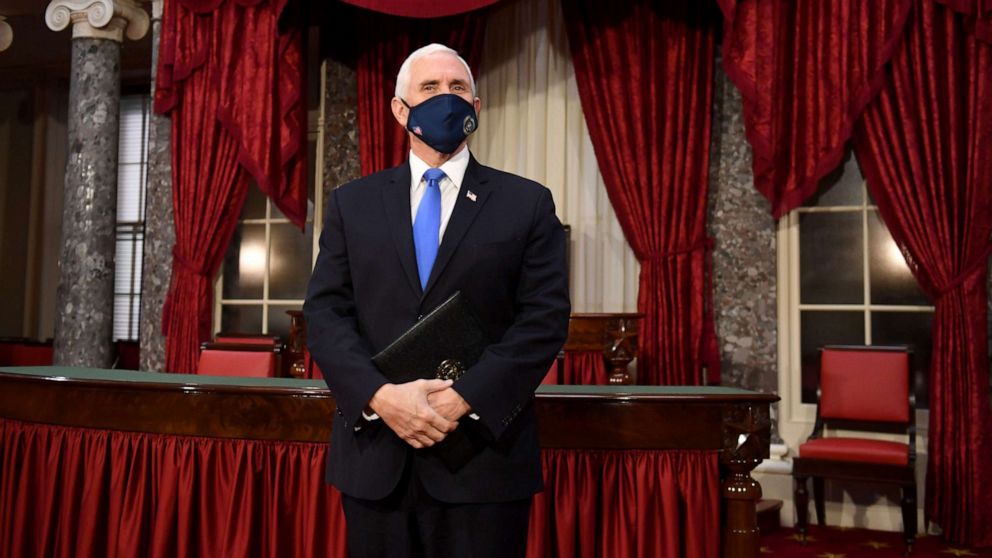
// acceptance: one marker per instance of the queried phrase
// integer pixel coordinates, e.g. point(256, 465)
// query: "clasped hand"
point(421, 412)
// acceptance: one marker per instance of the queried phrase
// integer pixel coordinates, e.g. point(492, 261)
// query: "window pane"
point(139, 252)
point(842, 187)
point(891, 280)
point(122, 318)
point(821, 328)
point(129, 190)
point(254, 204)
point(290, 267)
point(908, 328)
point(135, 318)
point(241, 319)
point(279, 321)
point(244, 264)
point(830, 258)
point(123, 265)
point(132, 129)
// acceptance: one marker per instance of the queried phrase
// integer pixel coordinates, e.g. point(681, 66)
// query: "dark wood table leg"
point(746, 438)
point(741, 537)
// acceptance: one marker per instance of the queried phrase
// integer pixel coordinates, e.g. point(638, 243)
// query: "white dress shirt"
point(454, 171)
point(451, 184)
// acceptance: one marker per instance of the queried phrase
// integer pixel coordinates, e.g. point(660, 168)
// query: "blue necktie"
point(427, 225)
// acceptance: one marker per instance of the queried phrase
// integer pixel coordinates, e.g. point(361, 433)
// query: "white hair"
point(403, 77)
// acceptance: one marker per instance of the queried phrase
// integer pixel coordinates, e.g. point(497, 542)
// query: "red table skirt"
point(77, 492)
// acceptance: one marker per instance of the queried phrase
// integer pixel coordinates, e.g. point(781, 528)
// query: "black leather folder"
point(443, 344)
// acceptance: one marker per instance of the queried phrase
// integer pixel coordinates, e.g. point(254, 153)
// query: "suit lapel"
point(396, 200)
point(464, 212)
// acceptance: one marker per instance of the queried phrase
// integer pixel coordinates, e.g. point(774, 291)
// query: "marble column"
point(85, 300)
point(160, 232)
point(6, 34)
point(744, 260)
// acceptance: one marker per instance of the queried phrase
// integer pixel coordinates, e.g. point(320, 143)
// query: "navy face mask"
point(442, 122)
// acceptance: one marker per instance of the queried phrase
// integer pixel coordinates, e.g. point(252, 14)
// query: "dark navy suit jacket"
point(505, 251)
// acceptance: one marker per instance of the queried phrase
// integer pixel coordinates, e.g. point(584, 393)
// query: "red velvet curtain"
point(979, 14)
point(806, 70)
point(585, 368)
point(384, 42)
point(72, 492)
point(925, 146)
point(421, 8)
point(233, 87)
point(645, 77)
point(636, 504)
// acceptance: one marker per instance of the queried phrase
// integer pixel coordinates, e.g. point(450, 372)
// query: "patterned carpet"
point(839, 542)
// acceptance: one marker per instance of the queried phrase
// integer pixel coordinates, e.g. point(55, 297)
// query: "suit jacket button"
point(420, 317)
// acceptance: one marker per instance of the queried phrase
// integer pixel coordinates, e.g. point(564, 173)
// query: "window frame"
point(135, 230)
point(796, 417)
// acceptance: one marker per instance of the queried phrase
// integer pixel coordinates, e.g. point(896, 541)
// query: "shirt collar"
point(454, 168)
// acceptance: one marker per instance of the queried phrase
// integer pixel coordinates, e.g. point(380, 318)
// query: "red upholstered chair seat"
point(260, 364)
point(856, 449)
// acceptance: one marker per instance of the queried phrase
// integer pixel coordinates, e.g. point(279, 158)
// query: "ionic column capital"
point(6, 34)
point(98, 19)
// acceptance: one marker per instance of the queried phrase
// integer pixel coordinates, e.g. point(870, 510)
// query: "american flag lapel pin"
point(470, 195)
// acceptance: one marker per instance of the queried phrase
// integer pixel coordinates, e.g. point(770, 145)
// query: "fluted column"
point(160, 231)
point(85, 302)
point(6, 34)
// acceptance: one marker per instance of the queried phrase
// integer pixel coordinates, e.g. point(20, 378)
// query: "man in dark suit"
point(395, 245)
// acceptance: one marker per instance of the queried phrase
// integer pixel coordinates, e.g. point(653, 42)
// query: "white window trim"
point(795, 418)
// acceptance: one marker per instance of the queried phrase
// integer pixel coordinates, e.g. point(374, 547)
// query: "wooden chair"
point(243, 360)
point(862, 388)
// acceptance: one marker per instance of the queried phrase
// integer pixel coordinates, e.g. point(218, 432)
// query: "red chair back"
point(864, 385)
point(260, 340)
point(259, 364)
point(31, 355)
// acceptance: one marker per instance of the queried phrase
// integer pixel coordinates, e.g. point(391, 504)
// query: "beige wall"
point(16, 135)
point(32, 171)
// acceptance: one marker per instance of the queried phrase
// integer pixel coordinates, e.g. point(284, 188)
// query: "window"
point(265, 270)
point(849, 283)
point(132, 164)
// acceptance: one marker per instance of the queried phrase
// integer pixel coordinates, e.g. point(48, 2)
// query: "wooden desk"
point(732, 421)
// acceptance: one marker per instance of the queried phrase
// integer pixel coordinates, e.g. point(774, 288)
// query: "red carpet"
point(834, 542)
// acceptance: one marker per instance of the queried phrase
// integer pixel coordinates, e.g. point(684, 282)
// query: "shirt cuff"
point(370, 417)
point(473, 416)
